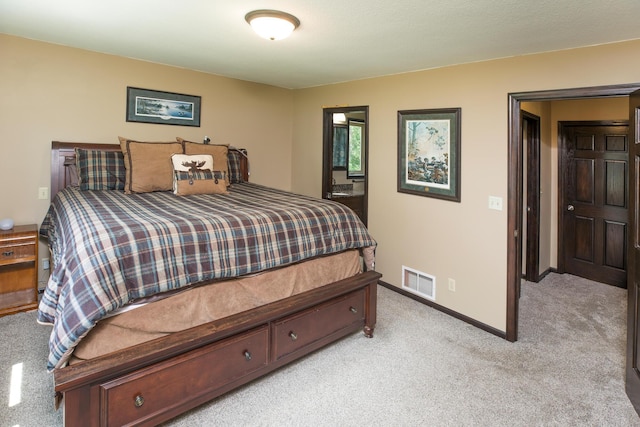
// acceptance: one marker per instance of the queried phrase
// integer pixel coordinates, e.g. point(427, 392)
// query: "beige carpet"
point(421, 368)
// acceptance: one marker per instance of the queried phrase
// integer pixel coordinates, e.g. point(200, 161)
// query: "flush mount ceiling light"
point(272, 24)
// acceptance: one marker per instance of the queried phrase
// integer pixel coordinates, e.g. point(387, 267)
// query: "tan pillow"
point(148, 165)
point(194, 174)
point(219, 153)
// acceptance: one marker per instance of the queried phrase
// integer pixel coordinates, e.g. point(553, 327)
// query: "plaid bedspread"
point(110, 248)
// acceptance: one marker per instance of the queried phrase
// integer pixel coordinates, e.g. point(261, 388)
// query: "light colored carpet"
point(421, 368)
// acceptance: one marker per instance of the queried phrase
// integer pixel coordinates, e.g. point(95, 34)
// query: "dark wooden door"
point(633, 288)
point(531, 226)
point(595, 200)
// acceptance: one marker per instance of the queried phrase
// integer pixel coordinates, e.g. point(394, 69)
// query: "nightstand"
point(18, 269)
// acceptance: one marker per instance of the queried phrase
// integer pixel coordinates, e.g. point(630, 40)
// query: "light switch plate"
point(43, 193)
point(495, 203)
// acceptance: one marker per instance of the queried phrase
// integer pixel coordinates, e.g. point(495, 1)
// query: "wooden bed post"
point(371, 298)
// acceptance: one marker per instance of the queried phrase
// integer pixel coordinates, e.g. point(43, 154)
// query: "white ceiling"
point(337, 41)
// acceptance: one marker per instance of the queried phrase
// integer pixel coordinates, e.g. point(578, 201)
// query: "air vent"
point(419, 283)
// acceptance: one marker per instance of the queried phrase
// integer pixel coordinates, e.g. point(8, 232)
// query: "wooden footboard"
point(160, 379)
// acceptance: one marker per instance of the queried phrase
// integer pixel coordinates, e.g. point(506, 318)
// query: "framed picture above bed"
point(166, 108)
point(429, 153)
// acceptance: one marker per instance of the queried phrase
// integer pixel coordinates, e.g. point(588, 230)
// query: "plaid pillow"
point(235, 174)
point(100, 170)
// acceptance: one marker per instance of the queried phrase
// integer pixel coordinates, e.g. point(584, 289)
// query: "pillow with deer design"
point(194, 174)
point(218, 151)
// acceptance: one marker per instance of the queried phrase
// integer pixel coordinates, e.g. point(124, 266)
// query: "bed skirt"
point(202, 304)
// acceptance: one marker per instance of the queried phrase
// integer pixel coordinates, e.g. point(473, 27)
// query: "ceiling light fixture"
point(272, 24)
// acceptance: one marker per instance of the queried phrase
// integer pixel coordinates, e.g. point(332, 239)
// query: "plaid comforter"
point(110, 249)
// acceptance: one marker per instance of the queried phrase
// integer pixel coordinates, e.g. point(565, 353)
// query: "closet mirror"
point(345, 151)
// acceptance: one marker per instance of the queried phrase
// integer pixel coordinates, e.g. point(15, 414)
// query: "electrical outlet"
point(45, 263)
point(452, 285)
point(495, 203)
point(43, 193)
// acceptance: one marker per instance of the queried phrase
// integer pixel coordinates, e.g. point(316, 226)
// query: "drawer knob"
point(138, 401)
point(7, 253)
point(293, 336)
point(247, 355)
point(353, 310)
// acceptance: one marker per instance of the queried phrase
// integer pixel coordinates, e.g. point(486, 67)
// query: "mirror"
point(345, 148)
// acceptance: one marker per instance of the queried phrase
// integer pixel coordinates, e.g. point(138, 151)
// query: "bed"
point(139, 349)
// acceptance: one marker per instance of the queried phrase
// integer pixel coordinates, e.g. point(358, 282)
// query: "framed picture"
point(429, 153)
point(167, 108)
point(339, 147)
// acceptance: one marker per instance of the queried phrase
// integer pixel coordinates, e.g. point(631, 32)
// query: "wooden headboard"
point(63, 154)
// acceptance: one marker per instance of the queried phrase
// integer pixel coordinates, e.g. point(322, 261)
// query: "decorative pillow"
point(219, 153)
point(71, 170)
point(148, 165)
point(100, 170)
point(235, 173)
point(194, 174)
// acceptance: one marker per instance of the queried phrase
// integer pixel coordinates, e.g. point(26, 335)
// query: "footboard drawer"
point(146, 394)
point(307, 327)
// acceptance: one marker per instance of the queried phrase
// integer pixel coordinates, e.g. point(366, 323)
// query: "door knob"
point(570, 208)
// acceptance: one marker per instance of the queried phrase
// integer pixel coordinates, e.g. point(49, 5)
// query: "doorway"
point(619, 188)
point(531, 196)
point(345, 157)
point(515, 170)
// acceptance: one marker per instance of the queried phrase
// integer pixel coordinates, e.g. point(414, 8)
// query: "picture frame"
point(167, 108)
point(429, 153)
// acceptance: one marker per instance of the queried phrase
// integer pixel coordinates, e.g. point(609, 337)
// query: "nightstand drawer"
point(18, 269)
point(13, 253)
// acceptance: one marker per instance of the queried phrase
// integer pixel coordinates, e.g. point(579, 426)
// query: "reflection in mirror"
point(348, 152)
point(345, 157)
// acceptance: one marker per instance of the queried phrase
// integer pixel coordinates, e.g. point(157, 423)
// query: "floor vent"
point(419, 283)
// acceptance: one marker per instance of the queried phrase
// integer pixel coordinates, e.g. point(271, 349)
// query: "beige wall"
point(51, 92)
point(464, 241)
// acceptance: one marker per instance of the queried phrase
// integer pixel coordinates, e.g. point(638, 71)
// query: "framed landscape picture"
point(429, 153)
point(167, 108)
